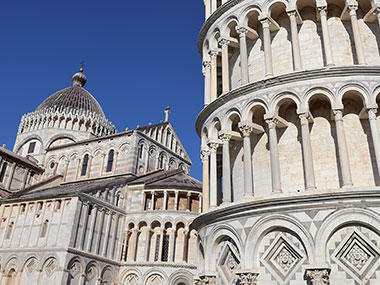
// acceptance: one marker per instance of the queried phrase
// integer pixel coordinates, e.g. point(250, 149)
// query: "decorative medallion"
point(358, 256)
point(155, 279)
point(132, 279)
point(283, 259)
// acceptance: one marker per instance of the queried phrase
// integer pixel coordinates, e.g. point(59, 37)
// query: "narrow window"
point(84, 165)
point(32, 146)
point(44, 228)
point(156, 253)
point(9, 231)
point(141, 149)
point(161, 162)
point(110, 160)
point(3, 170)
point(165, 248)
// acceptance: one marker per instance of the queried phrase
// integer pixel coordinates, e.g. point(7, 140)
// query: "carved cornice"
point(302, 76)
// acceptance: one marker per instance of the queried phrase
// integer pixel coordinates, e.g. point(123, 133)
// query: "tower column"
point(227, 197)
point(213, 175)
point(356, 32)
point(243, 54)
point(342, 148)
point(267, 47)
point(274, 156)
point(225, 65)
point(207, 81)
point(307, 152)
point(205, 154)
point(375, 135)
point(214, 75)
point(248, 181)
point(295, 41)
point(326, 36)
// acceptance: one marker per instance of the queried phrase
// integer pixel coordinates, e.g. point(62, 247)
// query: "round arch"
point(270, 223)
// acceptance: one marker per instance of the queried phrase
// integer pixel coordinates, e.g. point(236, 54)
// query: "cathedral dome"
point(74, 98)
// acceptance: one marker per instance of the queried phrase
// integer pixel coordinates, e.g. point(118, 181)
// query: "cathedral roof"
point(74, 99)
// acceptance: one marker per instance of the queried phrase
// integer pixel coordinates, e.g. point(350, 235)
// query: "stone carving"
point(227, 263)
point(357, 255)
point(283, 259)
point(207, 280)
point(247, 278)
point(318, 276)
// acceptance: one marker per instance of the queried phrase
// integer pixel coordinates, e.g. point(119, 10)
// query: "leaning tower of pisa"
point(290, 142)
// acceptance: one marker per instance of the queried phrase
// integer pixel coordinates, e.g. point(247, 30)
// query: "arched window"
point(165, 247)
point(110, 160)
point(84, 165)
point(141, 149)
point(3, 170)
point(161, 161)
point(44, 228)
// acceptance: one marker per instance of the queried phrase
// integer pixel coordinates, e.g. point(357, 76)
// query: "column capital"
point(291, 13)
point(213, 54)
point(206, 64)
point(247, 277)
point(304, 118)
point(205, 154)
point(246, 130)
point(241, 30)
point(265, 23)
point(213, 146)
point(322, 10)
point(272, 122)
point(372, 113)
point(338, 114)
point(224, 42)
point(318, 276)
point(353, 7)
point(224, 137)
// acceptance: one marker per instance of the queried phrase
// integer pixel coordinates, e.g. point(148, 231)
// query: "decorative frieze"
point(247, 277)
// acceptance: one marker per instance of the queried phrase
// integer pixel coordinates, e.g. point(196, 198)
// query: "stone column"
point(165, 204)
point(152, 202)
point(326, 37)
point(307, 152)
point(213, 175)
point(318, 276)
point(185, 244)
point(86, 206)
point(188, 208)
point(207, 8)
point(227, 197)
point(106, 235)
point(205, 154)
point(94, 214)
point(247, 277)
point(207, 82)
point(214, 75)
point(147, 244)
point(243, 54)
point(176, 200)
point(102, 165)
point(375, 135)
point(248, 180)
point(342, 148)
point(225, 65)
point(274, 156)
point(295, 41)
point(134, 244)
point(356, 32)
point(267, 48)
point(171, 249)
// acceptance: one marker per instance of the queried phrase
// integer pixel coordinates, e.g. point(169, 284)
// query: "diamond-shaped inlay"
point(283, 259)
point(227, 263)
point(358, 256)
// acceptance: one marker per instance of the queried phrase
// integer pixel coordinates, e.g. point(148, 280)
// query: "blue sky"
point(140, 57)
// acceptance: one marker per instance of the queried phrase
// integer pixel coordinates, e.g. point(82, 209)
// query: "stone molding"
point(284, 79)
point(289, 203)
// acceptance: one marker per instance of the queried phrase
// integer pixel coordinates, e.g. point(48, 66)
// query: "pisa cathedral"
point(290, 148)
